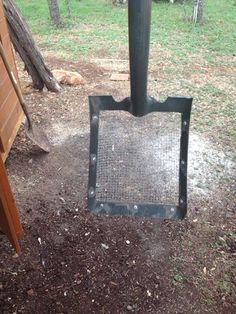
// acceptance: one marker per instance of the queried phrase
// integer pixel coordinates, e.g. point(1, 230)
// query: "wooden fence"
point(10, 119)
point(10, 111)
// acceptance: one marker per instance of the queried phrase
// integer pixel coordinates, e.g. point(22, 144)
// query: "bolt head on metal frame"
point(91, 192)
point(94, 118)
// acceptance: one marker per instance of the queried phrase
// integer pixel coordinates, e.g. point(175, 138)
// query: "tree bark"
point(24, 44)
point(54, 12)
point(197, 11)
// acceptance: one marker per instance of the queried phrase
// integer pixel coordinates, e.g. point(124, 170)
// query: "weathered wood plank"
point(9, 218)
point(11, 114)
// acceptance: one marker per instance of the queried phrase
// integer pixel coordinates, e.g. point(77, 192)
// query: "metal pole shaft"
point(139, 12)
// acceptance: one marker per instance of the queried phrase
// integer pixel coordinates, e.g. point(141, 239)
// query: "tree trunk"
point(54, 12)
point(28, 51)
point(197, 11)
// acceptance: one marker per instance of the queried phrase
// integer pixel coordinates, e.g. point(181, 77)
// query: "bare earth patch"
point(76, 262)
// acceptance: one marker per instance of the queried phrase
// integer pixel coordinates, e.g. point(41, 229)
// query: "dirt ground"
point(75, 262)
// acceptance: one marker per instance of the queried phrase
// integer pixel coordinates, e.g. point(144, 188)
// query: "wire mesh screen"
point(138, 158)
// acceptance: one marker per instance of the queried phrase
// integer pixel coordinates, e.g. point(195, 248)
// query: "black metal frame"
point(139, 104)
point(172, 104)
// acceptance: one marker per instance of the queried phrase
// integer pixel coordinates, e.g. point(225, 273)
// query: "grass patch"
point(100, 22)
point(224, 286)
point(178, 279)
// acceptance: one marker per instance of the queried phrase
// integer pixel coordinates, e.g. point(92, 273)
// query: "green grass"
point(178, 279)
point(98, 23)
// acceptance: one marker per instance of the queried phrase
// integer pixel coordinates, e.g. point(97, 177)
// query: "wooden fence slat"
point(9, 219)
point(7, 108)
point(11, 114)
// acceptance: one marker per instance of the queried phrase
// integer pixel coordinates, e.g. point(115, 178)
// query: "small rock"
point(129, 308)
point(106, 247)
point(113, 283)
point(127, 242)
point(42, 261)
point(62, 199)
point(30, 292)
point(222, 239)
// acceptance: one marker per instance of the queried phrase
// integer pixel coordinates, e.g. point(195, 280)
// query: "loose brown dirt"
point(76, 262)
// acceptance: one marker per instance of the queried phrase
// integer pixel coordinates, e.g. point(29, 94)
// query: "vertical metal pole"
point(139, 12)
point(183, 163)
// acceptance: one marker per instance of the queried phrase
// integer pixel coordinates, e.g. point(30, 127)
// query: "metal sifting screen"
point(138, 158)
